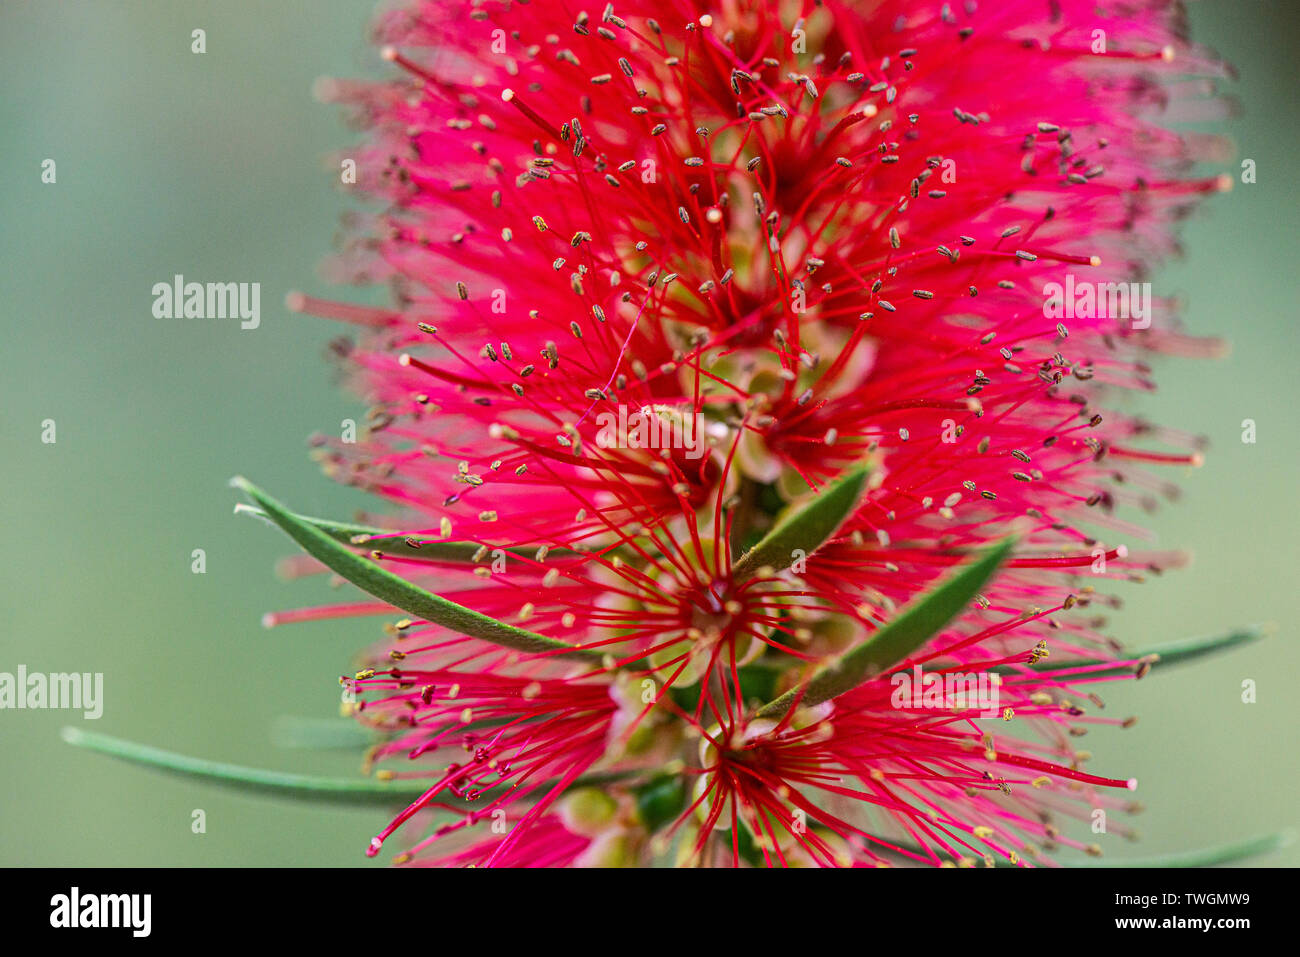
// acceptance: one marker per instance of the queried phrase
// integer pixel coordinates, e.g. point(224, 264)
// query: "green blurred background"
point(215, 166)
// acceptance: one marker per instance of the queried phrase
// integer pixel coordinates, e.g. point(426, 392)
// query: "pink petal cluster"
point(822, 236)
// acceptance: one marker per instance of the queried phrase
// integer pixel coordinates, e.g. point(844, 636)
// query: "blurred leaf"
point(660, 800)
point(1172, 653)
point(743, 845)
point(1203, 857)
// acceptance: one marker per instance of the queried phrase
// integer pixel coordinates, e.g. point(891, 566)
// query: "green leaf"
point(898, 638)
point(303, 787)
point(1172, 653)
point(806, 529)
point(397, 591)
point(1202, 857)
point(390, 543)
point(660, 800)
point(365, 791)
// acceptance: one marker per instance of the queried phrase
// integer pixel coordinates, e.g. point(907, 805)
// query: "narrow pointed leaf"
point(897, 639)
point(1201, 857)
point(393, 543)
point(806, 530)
point(306, 787)
point(399, 592)
point(302, 787)
point(1171, 653)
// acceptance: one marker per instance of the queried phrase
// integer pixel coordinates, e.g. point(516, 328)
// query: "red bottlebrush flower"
point(722, 335)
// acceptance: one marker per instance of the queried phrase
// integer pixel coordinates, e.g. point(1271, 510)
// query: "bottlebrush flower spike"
point(722, 335)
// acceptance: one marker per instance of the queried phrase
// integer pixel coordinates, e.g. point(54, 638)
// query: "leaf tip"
point(856, 477)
